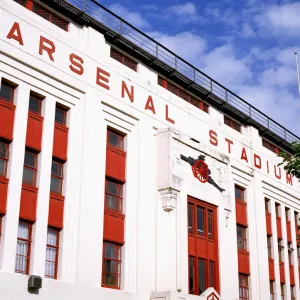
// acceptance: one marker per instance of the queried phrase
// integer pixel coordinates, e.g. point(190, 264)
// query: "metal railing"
point(122, 28)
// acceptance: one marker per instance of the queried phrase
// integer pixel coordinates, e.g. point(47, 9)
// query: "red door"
point(202, 246)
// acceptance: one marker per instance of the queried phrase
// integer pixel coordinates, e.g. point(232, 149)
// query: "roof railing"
point(110, 20)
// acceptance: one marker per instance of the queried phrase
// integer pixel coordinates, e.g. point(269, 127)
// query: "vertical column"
point(11, 220)
point(44, 177)
point(258, 241)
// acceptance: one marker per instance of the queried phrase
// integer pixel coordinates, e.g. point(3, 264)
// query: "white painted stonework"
point(158, 181)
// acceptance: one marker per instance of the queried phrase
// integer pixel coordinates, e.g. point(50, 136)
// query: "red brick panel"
point(271, 269)
point(114, 228)
point(244, 262)
point(292, 275)
point(28, 202)
point(268, 224)
point(34, 131)
point(3, 194)
point(115, 163)
point(288, 231)
point(60, 142)
point(279, 231)
point(56, 211)
point(281, 270)
point(241, 213)
point(7, 115)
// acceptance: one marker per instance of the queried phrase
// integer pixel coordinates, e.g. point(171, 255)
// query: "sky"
point(246, 45)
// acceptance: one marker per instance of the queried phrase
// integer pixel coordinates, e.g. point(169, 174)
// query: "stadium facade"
point(127, 174)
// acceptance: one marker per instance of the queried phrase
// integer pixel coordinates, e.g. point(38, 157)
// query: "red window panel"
point(7, 92)
point(111, 269)
point(287, 214)
point(35, 104)
point(56, 177)
point(30, 168)
point(233, 124)
point(241, 237)
point(23, 248)
point(44, 13)
point(270, 146)
point(113, 196)
point(125, 60)
point(61, 115)
point(239, 193)
point(282, 291)
point(115, 139)
point(280, 251)
point(243, 287)
point(4, 149)
point(52, 248)
point(269, 245)
point(272, 291)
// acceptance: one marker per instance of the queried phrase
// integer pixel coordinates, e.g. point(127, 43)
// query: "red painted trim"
point(3, 194)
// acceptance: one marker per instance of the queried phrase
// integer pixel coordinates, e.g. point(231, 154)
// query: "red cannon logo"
point(200, 170)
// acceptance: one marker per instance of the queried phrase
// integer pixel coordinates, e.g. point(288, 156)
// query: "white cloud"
point(184, 10)
point(133, 18)
point(247, 31)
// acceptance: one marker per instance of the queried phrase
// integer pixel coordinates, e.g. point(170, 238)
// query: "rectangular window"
point(272, 293)
point(290, 253)
point(201, 275)
point(298, 255)
point(30, 168)
point(293, 297)
point(239, 193)
point(211, 273)
point(115, 139)
point(287, 214)
point(52, 248)
point(111, 273)
point(243, 287)
point(282, 290)
point(191, 217)
point(192, 274)
point(296, 218)
point(123, 59)
point(113, 196)
point(6, 92)
point(277, 210)
point(241, 237)
point(182, 94)
point(200, 220)
point(44, 13)
point(61, 115)
point(3, 159)
point(56, 177)
point(23, 248)
point(210, 224)
point(233, 124)
point(35, 104)
point(267, 203)
point(280, 250)
point(269, 243)
point(269, 146)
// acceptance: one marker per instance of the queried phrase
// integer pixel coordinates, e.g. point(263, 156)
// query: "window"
point(123, 59)
point(296, 217)
point(277, 210)
point(6, 92)
point(243, 287)
point(191, 217)
point(200, 220)
point(233, 124)
point(293, 293)
point(113, 196)
point(201, 275)
point(182, 94)
point(61, 115)
point(56, 177)
point(269, 146)
point(3, 158)
point(290, 253)
point(298, 255)
point(35, 104)
point(30, 168)
point(115, 139)
point(287, 214)
point(269, 243)
point(210, 224)
point(111, 273)
point(267, 203)
point(272, 293)
point(52, 248)
point(44, 13)
point(241, 237)
point(192, 279)
point(23, 248)
point(282, 290)
point(239, 194)
point(280, 250)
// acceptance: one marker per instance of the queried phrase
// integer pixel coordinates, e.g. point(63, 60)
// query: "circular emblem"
point(200, 170)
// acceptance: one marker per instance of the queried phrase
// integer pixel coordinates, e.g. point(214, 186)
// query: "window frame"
point(114, 53)
point(60, 178)
point(30, 167)
point(277, 210)
point(280, 251)
point(242, 240)
point(293, 297)
point(28, 241)
point(118, 261)
point(120, 139)
point(267, 205)
point(40, 101)
point(56, 247)
point(243, 285)
point(12, 87)
point(65, 111)
point(269, 246)
point(5, 159)
point(232, 124)
point(242, 191)
point(120, 199)
point(290, 254)
point(282, 290)
point(272, 292)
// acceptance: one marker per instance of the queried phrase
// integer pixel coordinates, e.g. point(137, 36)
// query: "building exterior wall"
point(155, 256)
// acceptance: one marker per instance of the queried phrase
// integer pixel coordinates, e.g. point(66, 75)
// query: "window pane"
point(34, 104)
point(41, 11)
point(29, 176)
point(112, 203)
point(200, 220)
point(2, 167)
point(29, 159)
point(191, 275)
point(211, 274)
point(201, 276)
point(112, 188)
point(191, 217)
point(113, 139)
point(6, 92)
point(56, 169)
point(239, 193)
point(52, 237)
point(55, 185)
point(210, 224)
point(60, 116)
point(3, 150)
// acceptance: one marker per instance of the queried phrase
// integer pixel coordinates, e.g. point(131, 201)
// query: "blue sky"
point(246, 45)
